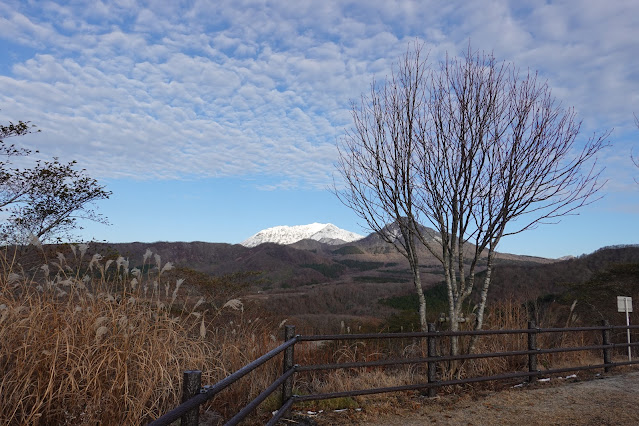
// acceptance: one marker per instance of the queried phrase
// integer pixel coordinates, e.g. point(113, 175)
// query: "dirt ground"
point(603, 400)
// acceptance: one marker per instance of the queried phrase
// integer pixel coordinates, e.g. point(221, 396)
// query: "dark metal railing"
point(187, 411)
point(194, 394)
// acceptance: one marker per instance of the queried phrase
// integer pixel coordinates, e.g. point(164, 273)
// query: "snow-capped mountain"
point(322, 232)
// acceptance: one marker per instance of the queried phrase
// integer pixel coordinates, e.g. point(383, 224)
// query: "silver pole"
point(625, 302)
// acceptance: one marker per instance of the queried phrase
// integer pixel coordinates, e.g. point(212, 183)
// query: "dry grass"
point(501, 316)
point(86, 341)
point(511, 315)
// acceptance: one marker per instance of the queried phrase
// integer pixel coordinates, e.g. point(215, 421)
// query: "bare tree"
point(377, 157)
point(498, 157)
point(469, 148)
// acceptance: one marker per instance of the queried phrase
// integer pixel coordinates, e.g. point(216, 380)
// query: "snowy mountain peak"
point(322, 232)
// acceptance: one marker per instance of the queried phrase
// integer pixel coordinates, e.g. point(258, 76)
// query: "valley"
point(360, 285)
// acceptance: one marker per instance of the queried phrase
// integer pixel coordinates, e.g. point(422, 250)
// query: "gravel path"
point(610, 400)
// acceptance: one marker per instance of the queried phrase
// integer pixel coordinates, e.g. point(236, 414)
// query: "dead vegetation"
point(88, 339)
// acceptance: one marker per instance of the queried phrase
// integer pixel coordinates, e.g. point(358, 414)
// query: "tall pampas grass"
point(82, 342)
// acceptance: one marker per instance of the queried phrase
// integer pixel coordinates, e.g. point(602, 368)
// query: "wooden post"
point(432, 365)
point(606, 342)
point(289, 361)
point(191, 386)
point(532, 346)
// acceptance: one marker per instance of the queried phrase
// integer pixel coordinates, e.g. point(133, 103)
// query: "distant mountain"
point(521, 278)
point(392, 231)
point(326, 233)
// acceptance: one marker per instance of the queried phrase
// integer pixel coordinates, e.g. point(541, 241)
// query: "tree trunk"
point(413, 260)
point(479, 322)
point(417, 280)
point(452, 300)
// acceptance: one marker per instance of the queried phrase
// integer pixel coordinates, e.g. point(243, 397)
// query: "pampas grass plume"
point(148, 253)
point(83, 249)
point(35, 241)
point(100, 332)
point(167, 267)
point(235, 304)
point(202, 328)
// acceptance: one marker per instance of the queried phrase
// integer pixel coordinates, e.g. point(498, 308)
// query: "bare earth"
point(610, 400)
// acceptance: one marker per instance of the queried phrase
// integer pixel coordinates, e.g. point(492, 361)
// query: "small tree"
point(469, 148)
point(45, 200)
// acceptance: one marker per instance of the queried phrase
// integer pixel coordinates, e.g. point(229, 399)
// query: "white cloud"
point(240, 88)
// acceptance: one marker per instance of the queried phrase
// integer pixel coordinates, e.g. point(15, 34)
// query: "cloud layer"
point(261, 90)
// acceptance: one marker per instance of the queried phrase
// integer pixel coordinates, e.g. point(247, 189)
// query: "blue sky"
point(211, 120)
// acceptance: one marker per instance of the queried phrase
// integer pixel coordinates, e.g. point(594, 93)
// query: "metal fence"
point(193, 394)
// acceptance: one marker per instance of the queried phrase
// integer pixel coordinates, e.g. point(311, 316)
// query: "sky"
point(212, 120)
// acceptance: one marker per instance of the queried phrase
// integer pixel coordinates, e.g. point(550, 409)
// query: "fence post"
point(289, 357)
point(532, 346)
point(190, 387)
point(606, 342)
point(432, 365)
